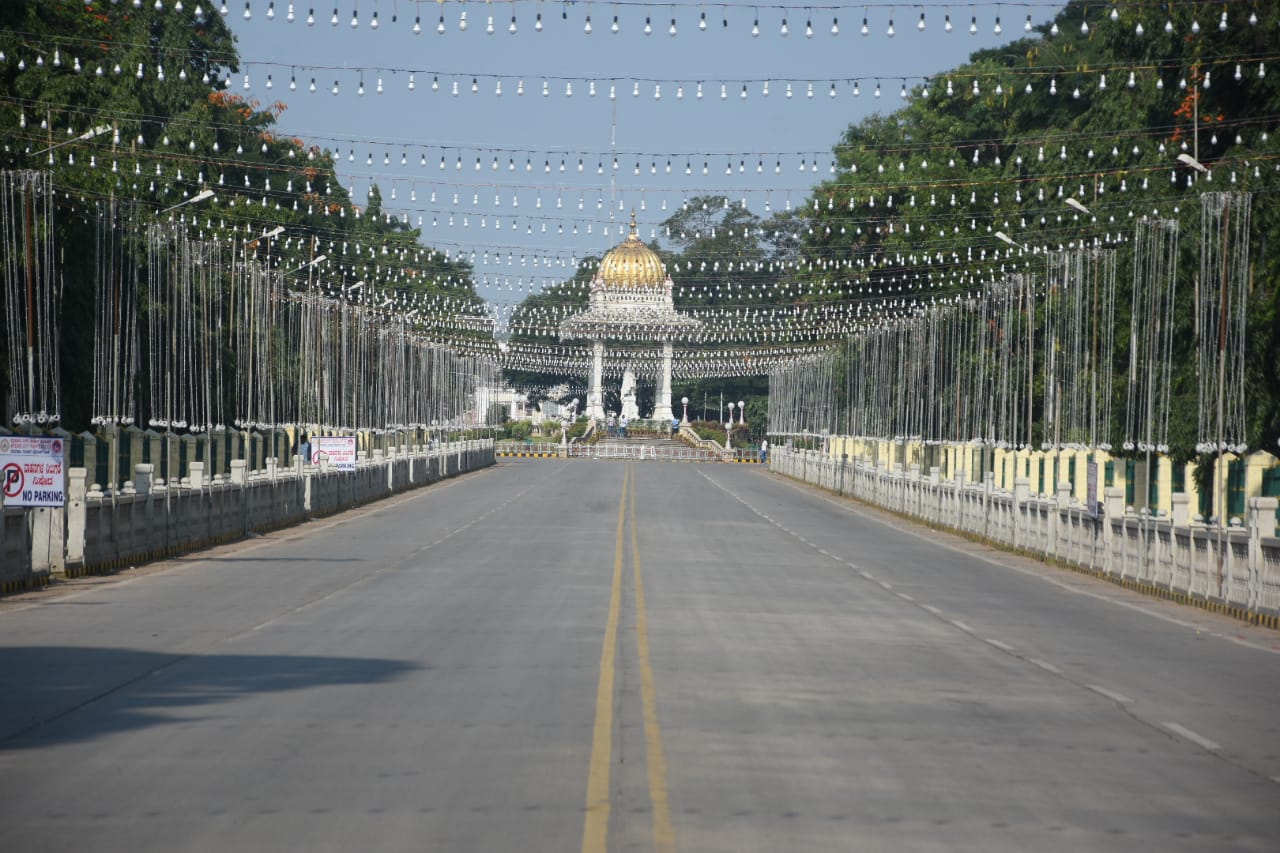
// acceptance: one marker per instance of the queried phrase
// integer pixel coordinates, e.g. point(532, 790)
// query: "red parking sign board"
point(13, 481)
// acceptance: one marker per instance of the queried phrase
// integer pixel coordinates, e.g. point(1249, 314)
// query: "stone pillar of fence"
point(239, 469)
point(77, 487)
point(195, 475)
point(1080, 489)
point(1113, 511)
point(143, 478)
point(1058, 521)
point(1021, 494)
point(1179, 509)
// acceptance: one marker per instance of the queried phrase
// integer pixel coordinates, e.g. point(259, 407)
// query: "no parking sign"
point(32, 471)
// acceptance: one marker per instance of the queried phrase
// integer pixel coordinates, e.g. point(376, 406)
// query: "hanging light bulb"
point(973, 25)
point(462, 22)
point(866, 31)
point(783, 29)
point(808, 29)
point(671, 31)
point(586, 28)
point(890, 32)
point(755, 28)
point(920, 25)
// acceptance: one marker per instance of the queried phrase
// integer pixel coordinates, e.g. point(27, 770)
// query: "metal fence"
point(1237, 567)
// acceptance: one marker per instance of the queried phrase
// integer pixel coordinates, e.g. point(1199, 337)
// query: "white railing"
point(1238, 567)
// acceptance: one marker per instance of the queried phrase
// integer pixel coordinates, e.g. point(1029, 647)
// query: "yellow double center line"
point(595, 830)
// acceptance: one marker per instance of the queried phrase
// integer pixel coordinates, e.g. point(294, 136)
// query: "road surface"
point(568, 655)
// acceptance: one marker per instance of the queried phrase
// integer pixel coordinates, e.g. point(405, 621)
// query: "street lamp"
point(684, 401)
point(1192, 162)
point(84, 137)
point(1076, 205)
point(730, 405)
point(742, 413)
point(198, 197)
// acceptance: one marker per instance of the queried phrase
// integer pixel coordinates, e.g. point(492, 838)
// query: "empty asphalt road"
point(556, 655)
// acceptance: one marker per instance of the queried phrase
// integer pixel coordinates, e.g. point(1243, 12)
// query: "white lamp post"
point(728, 432)
point(730, 405)
point(742, 413)
point(684, 401)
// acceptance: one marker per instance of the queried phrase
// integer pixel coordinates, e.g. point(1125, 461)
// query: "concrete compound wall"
point(1234, 570)
point(147, 520)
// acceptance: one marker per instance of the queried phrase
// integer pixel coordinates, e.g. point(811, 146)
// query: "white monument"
point(630, 306)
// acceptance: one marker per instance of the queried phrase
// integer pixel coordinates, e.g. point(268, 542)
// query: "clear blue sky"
point(533, 128)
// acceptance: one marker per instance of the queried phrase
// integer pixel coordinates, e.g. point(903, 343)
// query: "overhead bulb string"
point(613, 154)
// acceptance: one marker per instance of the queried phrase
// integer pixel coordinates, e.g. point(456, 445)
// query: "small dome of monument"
point(632, 264)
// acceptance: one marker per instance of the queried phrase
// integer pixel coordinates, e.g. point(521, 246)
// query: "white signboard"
point(32, 471)
point(341, 450)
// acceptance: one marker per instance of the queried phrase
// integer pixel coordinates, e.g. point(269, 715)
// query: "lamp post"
point(730, 405)
point(742, 413)
point(684, 401)
point(728, 433)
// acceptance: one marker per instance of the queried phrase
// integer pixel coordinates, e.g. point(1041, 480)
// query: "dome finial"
point(634, 233)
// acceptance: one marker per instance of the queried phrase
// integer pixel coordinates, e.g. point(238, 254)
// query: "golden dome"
point(632, 264)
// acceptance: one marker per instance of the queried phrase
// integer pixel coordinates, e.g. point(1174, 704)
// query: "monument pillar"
point(662, 399)
point(595, 392)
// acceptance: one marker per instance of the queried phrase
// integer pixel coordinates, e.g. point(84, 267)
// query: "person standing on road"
point(764, 450)
point(622, 426)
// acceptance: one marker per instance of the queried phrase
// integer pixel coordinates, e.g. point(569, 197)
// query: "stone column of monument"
point(662, 398)
point(595, 393)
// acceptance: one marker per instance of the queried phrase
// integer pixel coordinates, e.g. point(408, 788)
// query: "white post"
point(662, 399)
point(77, 479)
point(595, 394)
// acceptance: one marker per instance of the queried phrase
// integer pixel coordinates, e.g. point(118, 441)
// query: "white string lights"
point(1151, 330)
point(1222, 303)
point(32, 297)
point(646, 18)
